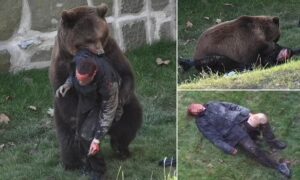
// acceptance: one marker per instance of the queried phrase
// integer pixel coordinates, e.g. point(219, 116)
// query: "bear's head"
point(271, 27)
point(84, 27)
point(268, 25)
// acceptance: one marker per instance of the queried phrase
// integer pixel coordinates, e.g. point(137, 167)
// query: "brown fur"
point(241, 40)
point(86, 27)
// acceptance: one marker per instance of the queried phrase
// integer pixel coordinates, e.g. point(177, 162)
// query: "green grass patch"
point(199, 159)
point(285, 76)
point(195, 11)
point(30, 146)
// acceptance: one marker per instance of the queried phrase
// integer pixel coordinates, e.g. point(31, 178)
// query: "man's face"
point(84, 79)
point(196, 109)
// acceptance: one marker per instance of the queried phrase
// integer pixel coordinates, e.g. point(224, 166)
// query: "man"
point(227, 125)
point(97, 85)
point(223, 64)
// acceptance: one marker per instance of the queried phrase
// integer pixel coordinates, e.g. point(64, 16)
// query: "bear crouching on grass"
point(86, 28)
point(239, 44)
point(241, 39)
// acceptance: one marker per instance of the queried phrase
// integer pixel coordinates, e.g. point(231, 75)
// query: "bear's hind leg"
point(69, 148)
point(124, 130)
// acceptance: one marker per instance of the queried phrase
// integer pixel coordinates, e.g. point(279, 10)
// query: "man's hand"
point(94, 147)
point(62, 90)
point(234, 152)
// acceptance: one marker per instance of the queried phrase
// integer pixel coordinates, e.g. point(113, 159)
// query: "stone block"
point(4, 61)
point(10, 16)
point(42, 55)
point(109, 4)
point(158, 5)
point(131, 6)
point(111, 29)
point(134, 34)
point(46, 14)
point(165, 30)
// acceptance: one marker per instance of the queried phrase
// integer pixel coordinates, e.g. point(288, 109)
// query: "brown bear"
point(241, 40)
point(86, 27)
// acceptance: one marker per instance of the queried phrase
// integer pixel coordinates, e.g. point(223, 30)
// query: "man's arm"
point(106, 115)
point(214, 137)
point(235, 107)
point(107, 111)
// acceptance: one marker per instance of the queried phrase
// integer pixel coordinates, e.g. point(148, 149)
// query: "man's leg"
point(261, 122)
point(253, 132)
point(95, 164)
point(217, 63)
point(248, 144)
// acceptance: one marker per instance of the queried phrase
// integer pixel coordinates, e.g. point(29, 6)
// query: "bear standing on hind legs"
point(86, 28)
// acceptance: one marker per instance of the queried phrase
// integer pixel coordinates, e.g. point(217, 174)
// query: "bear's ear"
point(102, 10)
point(69, 18)
point(275, 20)
point(246, 21)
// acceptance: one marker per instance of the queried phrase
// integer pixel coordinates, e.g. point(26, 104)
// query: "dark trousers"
point(96, 163)
point(85, 133)
point(248, 144)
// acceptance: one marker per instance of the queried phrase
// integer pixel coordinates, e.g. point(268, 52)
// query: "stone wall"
point(28, 27)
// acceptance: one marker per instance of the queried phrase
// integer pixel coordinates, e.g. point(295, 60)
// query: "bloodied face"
point(195, 109)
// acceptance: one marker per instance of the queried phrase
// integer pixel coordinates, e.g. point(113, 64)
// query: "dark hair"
point(87, 66)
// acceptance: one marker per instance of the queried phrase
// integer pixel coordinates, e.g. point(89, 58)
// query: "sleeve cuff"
point(97, 141)
point(99, 136)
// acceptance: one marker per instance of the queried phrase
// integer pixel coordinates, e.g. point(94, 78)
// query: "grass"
point(30, 145)
point(199, 159)
point(280, 77)
point(195, 11)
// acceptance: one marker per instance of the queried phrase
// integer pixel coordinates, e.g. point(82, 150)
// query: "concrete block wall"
point(28, 27)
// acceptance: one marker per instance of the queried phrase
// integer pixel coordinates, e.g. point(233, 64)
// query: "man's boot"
point(284, 169)
point(269, 136)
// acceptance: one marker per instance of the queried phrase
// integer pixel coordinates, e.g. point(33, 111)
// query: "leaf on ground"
point(189, 24)
point(228, 4)
point(159, 61)
point(8, 98)
point(33, 108)
point(209, 165)
point(206, 17)
point(50, 112)
point(2, 147)
point(218, 21)
point(4, 118)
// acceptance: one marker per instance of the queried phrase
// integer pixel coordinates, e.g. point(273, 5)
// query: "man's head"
point(86, 71)
point(195, 109)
